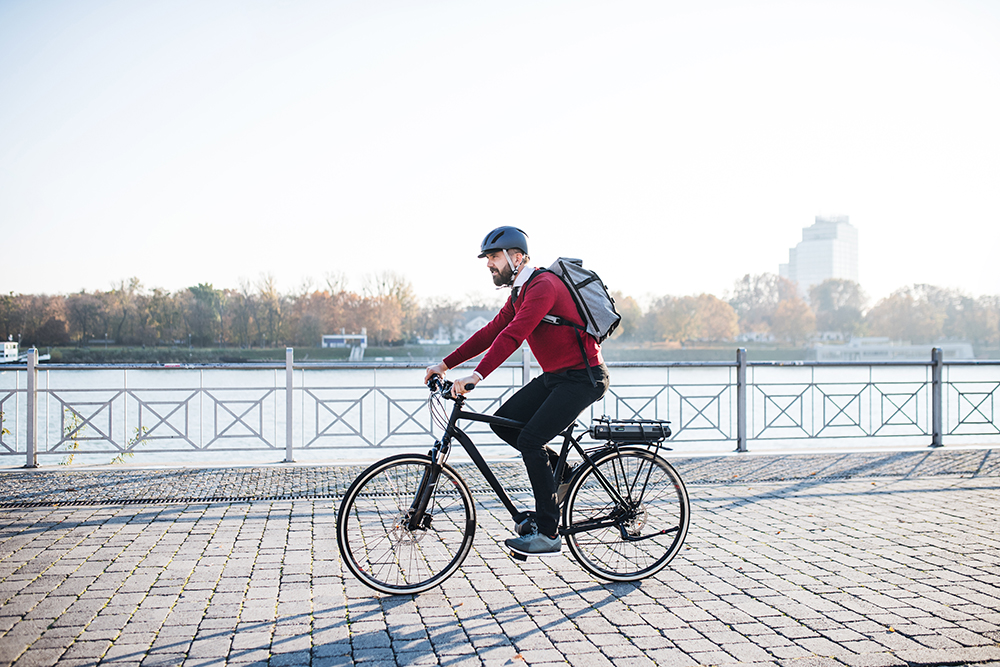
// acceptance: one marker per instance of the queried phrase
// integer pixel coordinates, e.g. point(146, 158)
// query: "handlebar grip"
point(470, 386)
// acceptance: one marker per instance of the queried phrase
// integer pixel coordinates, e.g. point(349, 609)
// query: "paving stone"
point(157, 659)
point(773, 573)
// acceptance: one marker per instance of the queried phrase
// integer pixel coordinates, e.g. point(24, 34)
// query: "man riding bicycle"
point(570, 381)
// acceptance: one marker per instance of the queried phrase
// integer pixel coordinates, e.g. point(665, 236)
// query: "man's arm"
point(482, 339)
point(477, 342)
point(539, 298)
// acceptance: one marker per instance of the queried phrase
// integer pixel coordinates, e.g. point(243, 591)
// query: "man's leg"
point(520, 407)
point(568, 395)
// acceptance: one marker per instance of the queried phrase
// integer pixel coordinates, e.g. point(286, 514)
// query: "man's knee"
point(508, 435)
point(528, 444)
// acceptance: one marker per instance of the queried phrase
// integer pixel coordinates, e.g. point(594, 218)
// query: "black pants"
point(547, 405)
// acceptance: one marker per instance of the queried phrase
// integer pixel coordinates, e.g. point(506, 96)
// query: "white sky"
point(675, 146)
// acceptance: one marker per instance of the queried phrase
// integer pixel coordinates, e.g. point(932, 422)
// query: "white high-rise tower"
point(829, 249)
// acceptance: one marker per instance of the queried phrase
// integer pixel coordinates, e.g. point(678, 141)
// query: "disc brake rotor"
point(403, 536)
point(636, 520)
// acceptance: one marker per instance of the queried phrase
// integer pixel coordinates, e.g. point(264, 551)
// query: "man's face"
point(498, 266)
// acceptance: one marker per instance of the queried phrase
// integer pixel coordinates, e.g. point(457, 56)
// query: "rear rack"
point(647, 431)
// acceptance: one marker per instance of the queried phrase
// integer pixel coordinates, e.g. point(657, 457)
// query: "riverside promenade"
point(861, 559)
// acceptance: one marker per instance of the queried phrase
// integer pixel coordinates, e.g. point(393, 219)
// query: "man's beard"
point(501, 278)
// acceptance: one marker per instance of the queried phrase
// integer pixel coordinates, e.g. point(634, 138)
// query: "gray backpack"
point(593, 302)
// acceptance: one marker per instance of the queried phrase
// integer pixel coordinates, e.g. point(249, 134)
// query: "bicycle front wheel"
point(373, 526)
point(627, 516)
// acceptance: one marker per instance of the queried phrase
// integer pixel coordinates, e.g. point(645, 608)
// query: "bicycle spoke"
point(647, 500)
point(374, 534)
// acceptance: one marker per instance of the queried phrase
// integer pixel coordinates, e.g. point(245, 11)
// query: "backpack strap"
point(562, 321)
point(527, 282)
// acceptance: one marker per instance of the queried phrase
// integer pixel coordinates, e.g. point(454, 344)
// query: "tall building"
point(829, 249)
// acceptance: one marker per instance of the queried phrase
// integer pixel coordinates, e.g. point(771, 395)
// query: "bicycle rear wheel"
point(373, 532)
point(631, 538)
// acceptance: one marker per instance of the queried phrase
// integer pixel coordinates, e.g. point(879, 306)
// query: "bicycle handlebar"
point(438, 385)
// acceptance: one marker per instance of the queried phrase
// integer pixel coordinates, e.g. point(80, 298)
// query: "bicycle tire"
point(656, 515)
point(377, 545)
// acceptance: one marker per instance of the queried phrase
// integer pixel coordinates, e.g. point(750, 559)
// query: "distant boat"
point(23, 359)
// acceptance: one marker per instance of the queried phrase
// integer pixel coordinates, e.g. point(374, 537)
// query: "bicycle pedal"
point(517, 556)
point(526, 526)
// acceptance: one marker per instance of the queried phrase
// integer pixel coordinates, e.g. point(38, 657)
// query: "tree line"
point(763, 306)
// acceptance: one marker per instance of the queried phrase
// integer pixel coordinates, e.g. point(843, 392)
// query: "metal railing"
point(303, 410)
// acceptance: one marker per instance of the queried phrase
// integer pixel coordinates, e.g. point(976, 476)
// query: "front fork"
point(417, 517)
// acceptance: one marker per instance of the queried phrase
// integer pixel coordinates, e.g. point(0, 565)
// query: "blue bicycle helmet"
point(504, 238)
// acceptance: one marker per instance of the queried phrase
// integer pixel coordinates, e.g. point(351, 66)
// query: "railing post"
point(32, 426)
point(937, 397)
point(289, 402)
point(741, 399)
point(525, 365)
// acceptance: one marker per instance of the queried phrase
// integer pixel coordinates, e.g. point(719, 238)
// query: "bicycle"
point(407, 523)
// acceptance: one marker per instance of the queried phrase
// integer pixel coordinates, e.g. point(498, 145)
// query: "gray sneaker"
point(535, 544)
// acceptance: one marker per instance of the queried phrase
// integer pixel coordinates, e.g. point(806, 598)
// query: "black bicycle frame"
point(453, 431)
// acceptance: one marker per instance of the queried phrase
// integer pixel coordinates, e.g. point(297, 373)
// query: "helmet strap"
point(514, 270)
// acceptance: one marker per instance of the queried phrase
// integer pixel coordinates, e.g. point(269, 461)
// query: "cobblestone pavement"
point(859, 560)
point(122, 484)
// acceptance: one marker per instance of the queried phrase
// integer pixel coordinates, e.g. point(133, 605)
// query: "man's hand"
point(459, 388)
point(436, 369)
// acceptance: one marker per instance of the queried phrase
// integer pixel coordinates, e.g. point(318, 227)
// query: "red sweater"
point(554, 346)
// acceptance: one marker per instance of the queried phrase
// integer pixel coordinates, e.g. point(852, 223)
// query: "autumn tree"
point(83, 311)
point(793, 320)
point(381, 317)
point(268, 315)
point(755, 298)
point(305, 315)
point(165, 319)
point(439, 315)
point(34, 319)
point(347, 313)
point(242, 305)
point(631, 325)
point(669, 318)
point(390, 292)
point(839, 305)
point(703, 317)
point(926, 313)
point(53, 331)
point(981, 320)
point(718, 319)
point(907, 314)
point(203, 314)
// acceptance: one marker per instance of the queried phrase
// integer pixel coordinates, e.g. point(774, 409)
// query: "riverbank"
point(613, 351)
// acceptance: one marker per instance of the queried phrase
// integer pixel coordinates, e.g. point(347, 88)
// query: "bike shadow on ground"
point(885, 469)
point(445, 637)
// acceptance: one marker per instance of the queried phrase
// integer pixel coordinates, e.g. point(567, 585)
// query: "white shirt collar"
point(522, 277)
